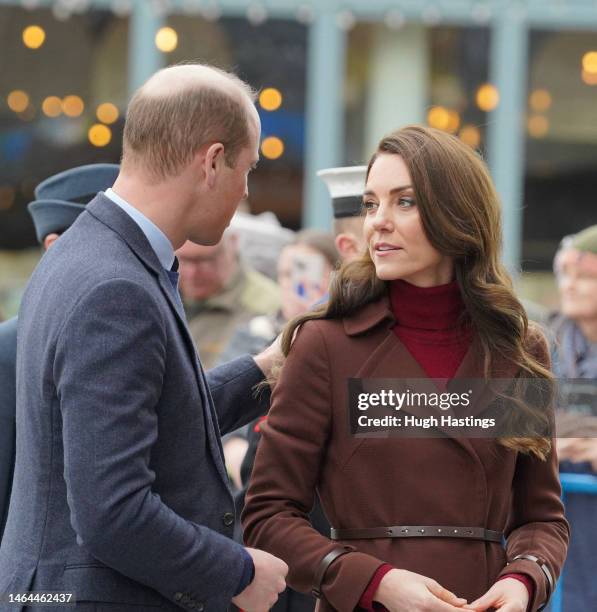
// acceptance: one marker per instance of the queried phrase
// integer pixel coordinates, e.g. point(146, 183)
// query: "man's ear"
point(347, 245)
point(49, 240)
point(213, 162)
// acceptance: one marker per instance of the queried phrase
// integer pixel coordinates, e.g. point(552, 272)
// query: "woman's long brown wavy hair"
point(460, 214)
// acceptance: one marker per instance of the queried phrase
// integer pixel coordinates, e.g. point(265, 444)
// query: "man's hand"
point(404, 591)
point(269, 581)
point(270, 356)
point(508, 595)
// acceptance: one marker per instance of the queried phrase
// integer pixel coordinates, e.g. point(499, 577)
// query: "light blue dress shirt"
point(157, 239)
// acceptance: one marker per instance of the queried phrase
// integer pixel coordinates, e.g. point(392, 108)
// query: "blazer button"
point(228, 519)
point(177, 596)
point(199, 607)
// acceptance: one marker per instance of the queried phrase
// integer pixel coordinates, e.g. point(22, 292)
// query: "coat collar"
point(369, 316)
point(106, 211)
point(392, 356)
point(472, 366)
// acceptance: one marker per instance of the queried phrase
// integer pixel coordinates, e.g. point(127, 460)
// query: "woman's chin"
point(387, 273)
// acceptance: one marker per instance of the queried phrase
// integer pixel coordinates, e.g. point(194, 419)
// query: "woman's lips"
point(385, 252)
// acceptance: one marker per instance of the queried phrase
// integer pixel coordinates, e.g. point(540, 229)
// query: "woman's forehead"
point(388, 171)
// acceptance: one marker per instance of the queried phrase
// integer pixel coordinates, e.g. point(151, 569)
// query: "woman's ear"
point(213, 162)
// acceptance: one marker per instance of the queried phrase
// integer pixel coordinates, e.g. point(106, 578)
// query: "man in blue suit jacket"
point(60, 199)
point(120, 493)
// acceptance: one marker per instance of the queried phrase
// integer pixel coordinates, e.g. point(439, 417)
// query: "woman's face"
point(393, 230)
point(577, 283)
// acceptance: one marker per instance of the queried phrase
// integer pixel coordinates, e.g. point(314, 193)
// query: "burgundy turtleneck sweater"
point(430, 323)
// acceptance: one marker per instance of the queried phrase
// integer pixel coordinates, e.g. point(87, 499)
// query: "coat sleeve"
point(537, 525)
point(232, 386)
point(286, 473)
point(108, 371)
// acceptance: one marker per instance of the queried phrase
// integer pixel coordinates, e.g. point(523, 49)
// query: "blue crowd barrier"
point(572, 483)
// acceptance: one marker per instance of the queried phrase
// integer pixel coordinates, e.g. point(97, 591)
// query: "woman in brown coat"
point(418, 524)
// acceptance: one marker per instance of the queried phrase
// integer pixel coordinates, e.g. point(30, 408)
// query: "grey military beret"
point(61, 198)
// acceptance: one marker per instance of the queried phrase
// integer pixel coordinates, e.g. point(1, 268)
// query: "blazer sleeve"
point(286, 473)
point(232, 386)
point(537, 525)
point(108, 371)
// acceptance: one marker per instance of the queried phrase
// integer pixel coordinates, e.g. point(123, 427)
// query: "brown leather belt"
point(417, 531)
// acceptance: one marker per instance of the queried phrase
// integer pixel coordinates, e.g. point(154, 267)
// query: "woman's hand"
point(508, 595)
point(404, 591)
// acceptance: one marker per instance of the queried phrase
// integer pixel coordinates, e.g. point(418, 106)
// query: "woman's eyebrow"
point(392, 191)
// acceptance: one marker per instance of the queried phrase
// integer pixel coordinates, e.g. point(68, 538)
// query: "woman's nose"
point(383, 219)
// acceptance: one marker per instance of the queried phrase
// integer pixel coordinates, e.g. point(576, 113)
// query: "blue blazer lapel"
point(213, 431)
point(103, 209)
point(111, 215)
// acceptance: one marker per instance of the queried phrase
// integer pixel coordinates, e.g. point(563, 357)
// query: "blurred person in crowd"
point(346, 187)
point(419, 522)
point(261, 238)
point(120, 493)
point(575, 326)
point(221, 292)
point(346, 191)
point(304, 269)
point(60, 199)
point(574, 352)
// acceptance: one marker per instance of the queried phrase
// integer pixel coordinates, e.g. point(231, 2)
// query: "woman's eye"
point(406, 202)
point(369, 205)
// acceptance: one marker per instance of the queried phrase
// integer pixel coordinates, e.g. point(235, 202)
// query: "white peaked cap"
point(346, 186)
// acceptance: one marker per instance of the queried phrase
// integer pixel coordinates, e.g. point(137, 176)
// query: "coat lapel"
point(103, 209)
point(392, 360)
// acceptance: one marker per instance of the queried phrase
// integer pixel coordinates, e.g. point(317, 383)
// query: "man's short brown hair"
point(349, 225)
point(164, 130)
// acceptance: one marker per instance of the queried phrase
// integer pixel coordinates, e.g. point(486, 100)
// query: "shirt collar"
point(157, 239)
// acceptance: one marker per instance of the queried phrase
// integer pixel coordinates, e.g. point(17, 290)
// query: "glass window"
point(56, 77)
point(561, 143)
point(415, 74)
point(271, 57)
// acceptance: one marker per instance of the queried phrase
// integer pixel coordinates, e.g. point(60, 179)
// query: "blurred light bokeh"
point(515, 80)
